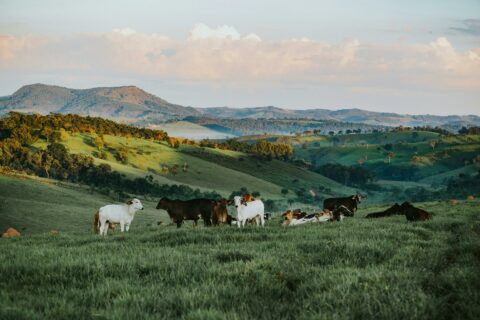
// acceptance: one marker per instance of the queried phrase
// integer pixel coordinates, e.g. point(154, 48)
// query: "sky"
point(407, 56)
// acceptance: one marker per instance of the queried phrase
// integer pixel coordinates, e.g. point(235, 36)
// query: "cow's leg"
point(127, 226)
point(239, 223)
point(179, 222)
point(105, 228)
point(103, 225)
point(122, 226)
point(262, 220)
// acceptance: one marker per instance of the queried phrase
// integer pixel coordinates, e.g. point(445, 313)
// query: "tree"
point(99, 142)
point(63, 134)
point(390, 155)
point(123, 154)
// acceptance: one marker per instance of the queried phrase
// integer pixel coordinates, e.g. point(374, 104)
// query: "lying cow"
point(293, 214)
point(249, 210)
point(411, 212)
point(118, 213)
point(180, 210)
point(351, 203)
point(291, 220)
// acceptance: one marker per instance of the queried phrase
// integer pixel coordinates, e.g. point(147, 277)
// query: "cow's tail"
point(96, 223)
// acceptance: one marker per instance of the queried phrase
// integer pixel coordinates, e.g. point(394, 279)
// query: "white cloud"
point(224, 55)
point(201, 32)
point(125, 31)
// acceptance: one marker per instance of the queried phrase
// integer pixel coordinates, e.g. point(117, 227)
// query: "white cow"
point(249, 210)
point(118, 213)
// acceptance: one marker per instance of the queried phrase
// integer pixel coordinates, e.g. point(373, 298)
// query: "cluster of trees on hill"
point(247, 126)
point(437, 129)
point(19, 131)
point(471, 130)
point(30, 127)
point(262, 148)
point(347, 175)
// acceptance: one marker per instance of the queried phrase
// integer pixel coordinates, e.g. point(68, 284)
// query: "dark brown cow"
point(180, 210)
point(351, 203)
point(411, 212)
point(220, 212)
point(396, 209)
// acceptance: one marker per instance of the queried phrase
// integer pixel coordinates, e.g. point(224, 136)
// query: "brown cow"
point(180, 210)
point(247, 198)
point(220, 212)
point(413, 213)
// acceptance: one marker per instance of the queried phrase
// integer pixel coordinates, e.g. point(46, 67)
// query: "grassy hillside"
point(410, 149)
point(35, 205)
point(383, 269)
point(208, 169)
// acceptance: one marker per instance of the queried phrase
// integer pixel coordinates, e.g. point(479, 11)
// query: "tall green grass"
point(359, 268)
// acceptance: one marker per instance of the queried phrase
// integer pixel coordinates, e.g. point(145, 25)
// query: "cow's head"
point(237, 201)
point(162, 203)
point(135, 204)
point(288, 215)
point(358, 197)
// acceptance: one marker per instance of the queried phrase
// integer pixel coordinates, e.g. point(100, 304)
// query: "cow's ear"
point(130, 202)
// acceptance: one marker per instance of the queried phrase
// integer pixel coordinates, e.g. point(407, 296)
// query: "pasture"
point(381, 268)
point(192, 166)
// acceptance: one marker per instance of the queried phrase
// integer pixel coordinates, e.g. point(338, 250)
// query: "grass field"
point(363, 269)
point(232, 170)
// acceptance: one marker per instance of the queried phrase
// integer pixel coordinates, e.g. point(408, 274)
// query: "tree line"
point(19, 131)
point(29, 127)
point(262, 148)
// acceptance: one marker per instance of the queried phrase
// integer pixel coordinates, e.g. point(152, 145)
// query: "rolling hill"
point(127, 104)
point(133, 105)
point(452, 122)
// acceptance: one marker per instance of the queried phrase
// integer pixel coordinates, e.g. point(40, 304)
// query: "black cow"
point(180, 210)
point(351, 203)
point(396, 209)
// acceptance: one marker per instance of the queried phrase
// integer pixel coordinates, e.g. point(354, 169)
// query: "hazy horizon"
point(406, 58)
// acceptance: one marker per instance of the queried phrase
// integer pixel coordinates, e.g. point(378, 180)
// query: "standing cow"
point(350, 203)
point(118, 213)
point(194, 209)
point(249, 210)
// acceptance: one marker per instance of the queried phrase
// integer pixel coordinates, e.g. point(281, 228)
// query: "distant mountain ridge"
point(345, 115)
point(133, 105)
point(128, 103)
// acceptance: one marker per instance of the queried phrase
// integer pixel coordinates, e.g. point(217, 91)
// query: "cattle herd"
point(248, 209)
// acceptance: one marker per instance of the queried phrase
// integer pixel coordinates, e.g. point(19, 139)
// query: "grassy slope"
point(449, 155)
point(275, 171)
point(40, 205)
point(144, 155)
point(382, 269)
point(210, 169)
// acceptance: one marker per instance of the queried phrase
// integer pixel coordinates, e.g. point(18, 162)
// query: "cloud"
point(470, 26)
point(223, 55)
